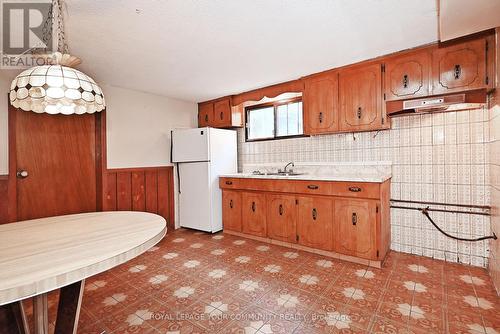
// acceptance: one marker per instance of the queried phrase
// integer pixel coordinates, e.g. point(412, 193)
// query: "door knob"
point(22, 174)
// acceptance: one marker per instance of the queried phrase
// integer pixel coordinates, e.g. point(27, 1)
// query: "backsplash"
point(435, 157)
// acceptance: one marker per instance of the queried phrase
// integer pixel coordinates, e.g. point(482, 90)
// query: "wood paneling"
point(321, 104)
point(315, 222)
point(253, 214)
point(140, 189)
point(205, 114)
point(4, 196)
point(408, 76)
point(282, 218)
point(231, 210)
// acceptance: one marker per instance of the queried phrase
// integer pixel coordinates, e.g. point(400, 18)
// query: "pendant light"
point(57, 88)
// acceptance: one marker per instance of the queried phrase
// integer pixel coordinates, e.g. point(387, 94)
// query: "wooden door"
point(253, 213)
point(205, 114)
point(282, 218)
point(459, 67)
point(356, 227)
point(315, 222)
point(58, 153)
point(321, 104)
point(361, 98)
point(231, 210)
point(222, 113)
point(408, 76)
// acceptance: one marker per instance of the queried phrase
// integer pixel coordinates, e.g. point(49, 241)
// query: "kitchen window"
point(274, 120)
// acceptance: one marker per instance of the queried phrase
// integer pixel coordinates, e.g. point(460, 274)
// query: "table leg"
point(68, 311)
point(41, 314)
point(13, 319)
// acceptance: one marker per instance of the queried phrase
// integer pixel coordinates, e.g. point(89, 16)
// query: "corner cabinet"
point(320, 104)
point(360, 91)
point(219, 114)
point(349, 220)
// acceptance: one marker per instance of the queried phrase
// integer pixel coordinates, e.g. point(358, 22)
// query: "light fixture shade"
point(56, 89)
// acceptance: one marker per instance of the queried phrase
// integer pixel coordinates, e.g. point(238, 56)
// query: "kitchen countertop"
point(376, 178)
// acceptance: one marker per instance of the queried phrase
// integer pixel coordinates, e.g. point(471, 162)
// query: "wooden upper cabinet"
point(253, 214)
point(315, 222)
point(231, 210)
point(407, 76)
point(205, 114)
point(459, 67)
point(282, 218)
point(356, 228)
point(320, 101)
point(220, 114)
point(360, 91)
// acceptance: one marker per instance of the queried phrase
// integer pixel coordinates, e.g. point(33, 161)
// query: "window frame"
point(275, 106)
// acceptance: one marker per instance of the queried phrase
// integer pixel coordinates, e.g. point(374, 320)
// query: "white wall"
point(139, 125)
point(5, 80)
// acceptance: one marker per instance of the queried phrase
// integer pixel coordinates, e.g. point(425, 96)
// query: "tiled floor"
point(199, 283)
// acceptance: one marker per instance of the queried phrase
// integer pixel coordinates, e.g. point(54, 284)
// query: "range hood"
point(440, 103)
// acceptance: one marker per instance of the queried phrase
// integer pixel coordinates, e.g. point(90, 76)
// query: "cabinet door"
point(321, 104)
point(231, 210)
point(315, 222)
point(253, 214)
point(459, 67)
point(356, 227)
point(205, 114)
point(361, 98)
point(282, 218)
point(408, 76)
point(222, 113)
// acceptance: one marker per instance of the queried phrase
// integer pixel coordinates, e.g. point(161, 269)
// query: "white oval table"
point(41, 255)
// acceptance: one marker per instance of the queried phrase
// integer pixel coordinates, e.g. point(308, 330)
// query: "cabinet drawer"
point(229, 183)
point(313, 187)
point(353, 189)
point(266, 185)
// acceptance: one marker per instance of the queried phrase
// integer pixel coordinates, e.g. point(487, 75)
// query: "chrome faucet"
point(284, 171)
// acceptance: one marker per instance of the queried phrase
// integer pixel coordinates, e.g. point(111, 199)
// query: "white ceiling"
point(200, 49)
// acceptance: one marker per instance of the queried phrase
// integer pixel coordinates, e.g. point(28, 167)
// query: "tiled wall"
point(439, 157)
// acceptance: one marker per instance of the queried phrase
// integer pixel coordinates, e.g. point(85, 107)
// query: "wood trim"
point(12, 187)
point(295, 86)
point(4, 196)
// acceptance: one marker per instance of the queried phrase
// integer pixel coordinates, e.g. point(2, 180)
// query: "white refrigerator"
point(202, 154)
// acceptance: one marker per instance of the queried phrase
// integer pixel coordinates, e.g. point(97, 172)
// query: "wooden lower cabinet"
point(231, 210)
point(282, 217)
point(356, 227)
point(253, 214)
point(315, 222)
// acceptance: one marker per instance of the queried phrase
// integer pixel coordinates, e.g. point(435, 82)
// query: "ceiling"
point(196, 50)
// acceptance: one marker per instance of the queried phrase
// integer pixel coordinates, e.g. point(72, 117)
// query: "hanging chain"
point(47, 29)
point(62, 46)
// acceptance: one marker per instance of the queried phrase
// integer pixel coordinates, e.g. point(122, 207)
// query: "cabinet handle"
point(405, 81)
point(229, 183)
point(281, 209)
point(312, 187)
point(355, 189)
point(206, 118)
point(458, 72)
point(359, 112)
point(253, 206)
point(354, 218)
point(221, 115)
point(314, 213)
point(321, 117)
point(231, 204)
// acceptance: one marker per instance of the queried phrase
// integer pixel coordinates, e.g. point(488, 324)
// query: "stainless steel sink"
point(285, 174)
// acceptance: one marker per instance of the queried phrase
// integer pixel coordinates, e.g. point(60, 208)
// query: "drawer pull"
point(229, 183)
point(405, 81)
point(280, 210)
point(312, 187)
point(221, 116)
point(206, 118)
point(321, 117)
point(231, 204)
point(458, 72)
point(354, 218)
point(314, 213)
point(359, 113)
point(355, 189)
point(253, 206)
